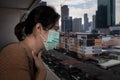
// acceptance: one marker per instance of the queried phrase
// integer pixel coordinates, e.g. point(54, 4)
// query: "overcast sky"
point(77, 8)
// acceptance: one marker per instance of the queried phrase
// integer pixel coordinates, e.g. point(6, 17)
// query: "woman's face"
point(43, 34)
point(56, 26)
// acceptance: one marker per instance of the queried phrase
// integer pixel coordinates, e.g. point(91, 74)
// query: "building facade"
point(77, 25)
point(105, 14)
point(82, 43)
point(64, 16)
point(68, 24)
point(93, 20)
point(86, 22)
point(42, 3)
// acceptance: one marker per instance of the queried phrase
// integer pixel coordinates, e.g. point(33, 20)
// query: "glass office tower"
point(105, 15)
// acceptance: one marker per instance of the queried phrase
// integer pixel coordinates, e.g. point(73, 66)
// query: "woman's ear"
point(38, 28)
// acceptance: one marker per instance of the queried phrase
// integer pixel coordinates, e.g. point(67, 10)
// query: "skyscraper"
point(77, 25)
point(64, 16)
point(64, 11)
point(105, 15)
point(93, 20)
point(68, 24)
point(42, 3)
point(86, 22)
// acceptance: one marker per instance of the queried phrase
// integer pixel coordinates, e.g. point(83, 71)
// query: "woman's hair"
point(45, 15)
point(19, 31)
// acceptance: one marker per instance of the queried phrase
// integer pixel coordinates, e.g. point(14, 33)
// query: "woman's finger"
point(34, 56)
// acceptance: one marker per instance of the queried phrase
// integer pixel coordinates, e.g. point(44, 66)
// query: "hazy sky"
point(77, 8)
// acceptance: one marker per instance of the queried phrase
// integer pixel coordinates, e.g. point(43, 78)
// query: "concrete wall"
point(8, 19)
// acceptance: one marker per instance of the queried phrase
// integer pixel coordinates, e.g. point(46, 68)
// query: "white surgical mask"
point(52, 41)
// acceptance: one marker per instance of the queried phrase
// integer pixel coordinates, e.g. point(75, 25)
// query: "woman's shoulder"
point(13, 45)
point(12, 48)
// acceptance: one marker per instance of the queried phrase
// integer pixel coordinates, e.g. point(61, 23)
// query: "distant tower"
point(77, 25)
point(86, 22)
point(64, 16)
point(64, 11)
point(93, 20)
point(42, 3)
point(105, 15)
point(68, 24)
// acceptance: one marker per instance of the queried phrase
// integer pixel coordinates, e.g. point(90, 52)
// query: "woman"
point(22, 60)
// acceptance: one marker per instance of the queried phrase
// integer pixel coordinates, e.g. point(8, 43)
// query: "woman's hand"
point(38, 61)
point(41, 74)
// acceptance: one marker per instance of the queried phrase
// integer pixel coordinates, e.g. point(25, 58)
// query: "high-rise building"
point(42, 3)
point(64, 16)
point(77, 25)
point(68, 24)
point(64, 11)
point(105, 15)
point(93, 21)
point(86, 22)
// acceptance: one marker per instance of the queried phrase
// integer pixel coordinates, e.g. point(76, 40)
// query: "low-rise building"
point(83, 43)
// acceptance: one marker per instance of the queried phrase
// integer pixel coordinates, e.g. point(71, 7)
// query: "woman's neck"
point(31, 43)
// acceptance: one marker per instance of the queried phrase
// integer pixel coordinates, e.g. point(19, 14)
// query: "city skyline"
point(82, 7)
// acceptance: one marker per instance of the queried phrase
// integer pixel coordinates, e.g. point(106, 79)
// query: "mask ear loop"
point(43, 38)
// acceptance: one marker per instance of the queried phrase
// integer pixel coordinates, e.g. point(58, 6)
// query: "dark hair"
point(42, 14)
point(45, 15)
point(19, 31)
